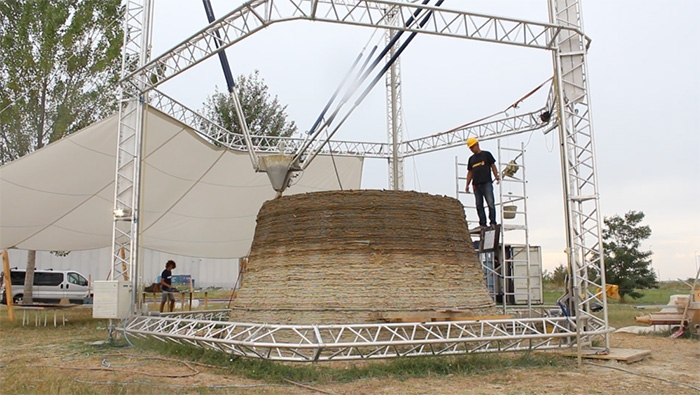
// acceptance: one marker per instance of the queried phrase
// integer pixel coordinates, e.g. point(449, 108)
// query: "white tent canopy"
point(198, 200)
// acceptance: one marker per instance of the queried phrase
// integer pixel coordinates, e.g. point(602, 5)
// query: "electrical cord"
point(103, 368)
point(149, 383)
point(645, 375)
point(126, 337)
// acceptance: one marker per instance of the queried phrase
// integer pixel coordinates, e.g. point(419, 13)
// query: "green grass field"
point(57, 350)
point(657, 296)
point(56, 356)
point(622, 314)
point(401, 368)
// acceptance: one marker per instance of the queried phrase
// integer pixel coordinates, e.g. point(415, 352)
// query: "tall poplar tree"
point(59, 64)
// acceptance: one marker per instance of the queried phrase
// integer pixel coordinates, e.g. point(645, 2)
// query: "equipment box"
point(112, 299)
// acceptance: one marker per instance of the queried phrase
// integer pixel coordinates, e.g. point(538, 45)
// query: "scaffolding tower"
point(521, 274)
point(512, 276)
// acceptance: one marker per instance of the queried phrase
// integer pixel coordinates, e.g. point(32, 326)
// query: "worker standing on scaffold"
point(479, 167)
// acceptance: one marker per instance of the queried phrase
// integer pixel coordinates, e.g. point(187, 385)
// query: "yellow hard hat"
point(471, 141)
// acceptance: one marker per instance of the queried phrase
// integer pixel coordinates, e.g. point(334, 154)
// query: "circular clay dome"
point(360, 256)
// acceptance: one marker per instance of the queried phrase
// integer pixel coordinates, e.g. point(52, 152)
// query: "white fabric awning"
point(198, 200)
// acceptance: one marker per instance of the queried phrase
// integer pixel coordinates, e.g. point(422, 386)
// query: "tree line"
point(60, 63)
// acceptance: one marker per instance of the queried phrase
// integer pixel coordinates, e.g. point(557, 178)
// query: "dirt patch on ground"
point(671, 360)
point(60, 360)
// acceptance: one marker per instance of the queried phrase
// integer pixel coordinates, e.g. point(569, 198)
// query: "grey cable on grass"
point(646, 375)
point(180, 385)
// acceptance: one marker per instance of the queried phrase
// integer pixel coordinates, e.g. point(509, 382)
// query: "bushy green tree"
point(264, 114)
point(547, 277)
point(59, 62)
point(625, 264)
point(559, 275)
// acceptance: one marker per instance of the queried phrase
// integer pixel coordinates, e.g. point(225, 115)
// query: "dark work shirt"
point(167, 278)
point(480, 165)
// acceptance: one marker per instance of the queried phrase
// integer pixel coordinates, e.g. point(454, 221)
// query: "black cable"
point(337, 91)
point(364, 76)
point(222, 54)
point(347, 95)
point(379, 76)
point(396, 37)
point(369, 57)
point(397, 54)
point(374, 64)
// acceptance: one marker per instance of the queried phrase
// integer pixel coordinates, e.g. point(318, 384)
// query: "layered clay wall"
point(345, 256)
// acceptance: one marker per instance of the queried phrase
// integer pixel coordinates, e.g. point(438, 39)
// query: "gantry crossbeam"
point(256, 15)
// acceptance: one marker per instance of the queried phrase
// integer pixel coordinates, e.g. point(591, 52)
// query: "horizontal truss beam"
point(254, 16)
point(274, 144)
point(483, 131)
point(311, 343)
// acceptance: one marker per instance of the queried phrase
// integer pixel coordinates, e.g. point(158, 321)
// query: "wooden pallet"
point(627, 355)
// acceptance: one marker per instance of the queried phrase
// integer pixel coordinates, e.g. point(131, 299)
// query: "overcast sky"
point(644, 67)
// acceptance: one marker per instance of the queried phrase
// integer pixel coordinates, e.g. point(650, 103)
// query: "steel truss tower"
point(394, 115)
point(563, 36)
point(579, 174)
point(127, 185)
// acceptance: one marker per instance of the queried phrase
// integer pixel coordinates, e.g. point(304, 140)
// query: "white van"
point(50, 286)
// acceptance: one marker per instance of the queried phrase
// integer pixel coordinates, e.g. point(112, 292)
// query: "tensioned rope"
point(326, 125)
point(514, 105)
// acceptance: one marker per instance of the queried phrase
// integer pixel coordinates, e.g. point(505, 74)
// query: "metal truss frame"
point(562, 36)
point(127, 185)
point(394, 112)
point(262, 144)
point(258, 14)
point(314, 343)
point(579, 174)
point(274, 144)
point(483, 131)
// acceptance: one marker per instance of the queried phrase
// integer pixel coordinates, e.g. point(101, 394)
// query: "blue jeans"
point(481, 192)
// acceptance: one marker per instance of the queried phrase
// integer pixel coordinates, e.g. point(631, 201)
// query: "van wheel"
point(17, 299)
